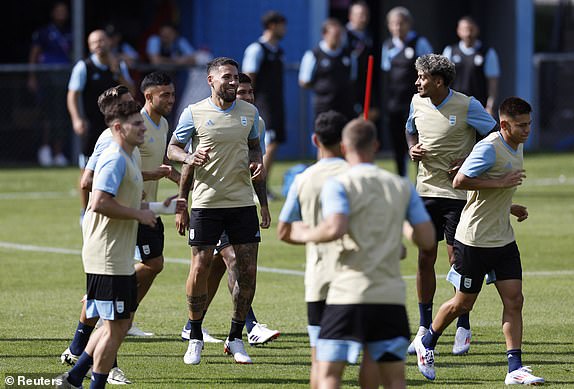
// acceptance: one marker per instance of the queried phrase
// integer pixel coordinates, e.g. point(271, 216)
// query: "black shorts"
point(364, 322)
point(150, 240)
point(111, 297)
point(473, 263)
point(445, 215)
point(207, 224)
point(315, 312)
point(274, 120)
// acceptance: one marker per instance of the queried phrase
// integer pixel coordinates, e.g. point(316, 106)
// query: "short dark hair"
point(122, 111)
point(272, 17)
point(329, 127)
point(360, 133)
point(220, 61)
point(330, 22)
point(155, 79)
point(244, 79)
point(514, 106)
point(111, 97)
point(436, 65)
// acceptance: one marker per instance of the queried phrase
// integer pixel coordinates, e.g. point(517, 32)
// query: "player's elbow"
point(458, 181)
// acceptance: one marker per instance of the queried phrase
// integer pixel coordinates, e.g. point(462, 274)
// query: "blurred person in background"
point(263, 62)
point(119, 47)
point(328, 70)
point(51, 44)
point(90, 77)
point(398, 64)
point(477, 66)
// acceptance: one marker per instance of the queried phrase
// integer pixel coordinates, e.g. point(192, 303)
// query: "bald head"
point(98, 42)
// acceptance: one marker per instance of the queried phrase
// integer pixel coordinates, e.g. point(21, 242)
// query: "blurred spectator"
point(360, 43)
point(477, 66)
point(168, 47)
point(328, 70)
point(263, 62)
point(52, 44)
point(398, 63)
point(90, 77)
point(121, 49)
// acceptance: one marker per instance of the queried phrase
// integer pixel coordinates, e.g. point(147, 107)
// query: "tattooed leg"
point(244, 273)
point(196, 285)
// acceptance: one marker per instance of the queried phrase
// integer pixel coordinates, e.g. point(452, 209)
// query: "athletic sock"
point(236, 329)
point(464, 321)
point(195, 326)
point(514, 359)
point(81, 338)
point(250, 320)
point(188, 325)
point(98, 380)
point(78, 372)
point(115, 362)
point(430, 339)
point(425, 313)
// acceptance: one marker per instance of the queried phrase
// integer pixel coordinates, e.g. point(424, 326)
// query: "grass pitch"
point(41, 283)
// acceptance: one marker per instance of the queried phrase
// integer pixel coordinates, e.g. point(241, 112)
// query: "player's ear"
point(315, 140)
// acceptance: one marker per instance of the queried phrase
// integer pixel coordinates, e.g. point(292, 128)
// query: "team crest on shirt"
point(119, 306)
point(209, 123)
point(146, 249)
point(452, 120)
point(467, 282)
point(409, 52)
point(191, 233)
point(478, 59)
point(244, 121)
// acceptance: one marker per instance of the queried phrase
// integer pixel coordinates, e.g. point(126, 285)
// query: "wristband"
point(158, 208)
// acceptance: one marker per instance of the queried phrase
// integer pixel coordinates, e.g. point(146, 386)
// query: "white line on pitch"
point(57, 250)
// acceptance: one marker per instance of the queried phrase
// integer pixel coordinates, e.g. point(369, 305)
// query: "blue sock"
point(430, 339)
point(78, 372)
point(514, 359)
point(425, 313)
point(98, 380)
point(188, 325)
point(464, 321)
point(81, 338)
point(249, 319)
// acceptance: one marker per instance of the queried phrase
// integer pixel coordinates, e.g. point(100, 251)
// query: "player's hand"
point(199, 158)
point(80, 126)
point(181, 221)
point(163, 171)
point(454, 167)
point(513, 179)
point(265, 217)
point(147, 217)
point(519, 211)
point(299, 232)
point(257, 171)
point(417, 152)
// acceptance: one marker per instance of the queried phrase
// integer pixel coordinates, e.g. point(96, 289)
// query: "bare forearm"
point(176, 152)
point(260, 187)
point(185, 181)
point(108, 206)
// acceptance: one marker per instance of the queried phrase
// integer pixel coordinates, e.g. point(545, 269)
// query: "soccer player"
point(441, 131)
point(366, 208)
point(224, 255)
point(303, 204)
point(484, 240)
point(226, 158)
point(110, 230)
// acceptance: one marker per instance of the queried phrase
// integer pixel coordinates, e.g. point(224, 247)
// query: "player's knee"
point(427, 259)
point(514, 302)
point(155, 265)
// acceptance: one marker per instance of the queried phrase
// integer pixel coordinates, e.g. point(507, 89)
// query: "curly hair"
point(436, 65)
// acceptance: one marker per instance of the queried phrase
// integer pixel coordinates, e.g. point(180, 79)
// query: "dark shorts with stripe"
point(150, 240)
point(117, 295)
point(241, 225)
point(445, 215)
point(473, 263)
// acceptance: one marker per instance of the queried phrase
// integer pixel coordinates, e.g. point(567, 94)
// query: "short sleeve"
point(307, 69)
point(291, 211)
point(78, 77)
point(109, 173)
point(481, 158)
point(334, 199)
point(252, 58)
point(478, 118)
point(185, 127)
point(416, 211)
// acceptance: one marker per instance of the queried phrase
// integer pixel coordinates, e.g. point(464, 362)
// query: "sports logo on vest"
point(452, 120)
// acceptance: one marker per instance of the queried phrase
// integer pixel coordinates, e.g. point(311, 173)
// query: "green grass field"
point(42, 281)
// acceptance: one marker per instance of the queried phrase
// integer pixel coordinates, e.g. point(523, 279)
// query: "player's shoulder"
point(244, 106)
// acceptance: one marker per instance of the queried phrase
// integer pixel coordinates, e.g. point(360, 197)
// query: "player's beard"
point(226, 95)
